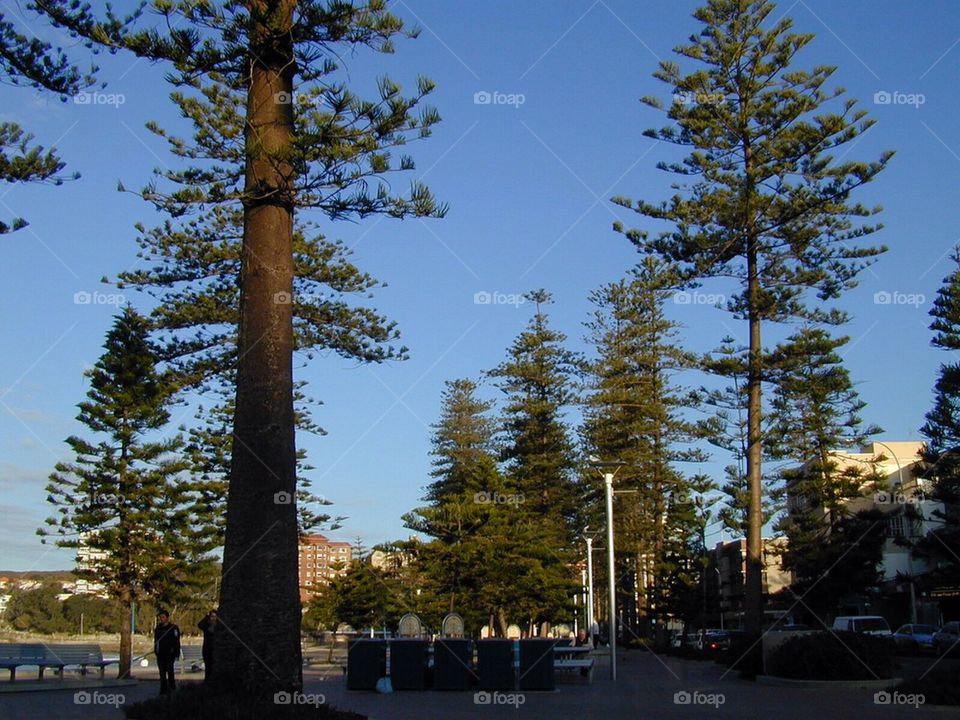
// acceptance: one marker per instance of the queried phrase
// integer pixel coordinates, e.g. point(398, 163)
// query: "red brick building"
point(321, 560)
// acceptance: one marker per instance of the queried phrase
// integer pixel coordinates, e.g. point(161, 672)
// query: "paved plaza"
point(646, 688)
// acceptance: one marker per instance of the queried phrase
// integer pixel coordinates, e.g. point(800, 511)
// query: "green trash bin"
point(452, 664)
point(408, 664)
point(495, 664)
point(536, 664)
point(366, 663)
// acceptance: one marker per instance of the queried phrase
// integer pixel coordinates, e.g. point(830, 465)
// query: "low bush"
point(196, 701)
point(834, 656)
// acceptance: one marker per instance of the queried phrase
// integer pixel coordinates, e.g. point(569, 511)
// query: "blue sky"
point(528, 185)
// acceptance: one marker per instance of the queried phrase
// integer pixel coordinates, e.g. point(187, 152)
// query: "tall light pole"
point(609, 469)
point(589, 584)
point(608, 481)
point(913, 591)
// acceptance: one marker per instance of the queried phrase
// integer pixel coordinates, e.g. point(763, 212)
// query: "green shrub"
point(834, 656)
point(196, 701)
point(938, 687)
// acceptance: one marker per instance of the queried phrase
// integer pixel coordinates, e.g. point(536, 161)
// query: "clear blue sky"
point(528, 187)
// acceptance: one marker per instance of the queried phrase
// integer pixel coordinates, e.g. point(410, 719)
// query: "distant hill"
point(37, 574)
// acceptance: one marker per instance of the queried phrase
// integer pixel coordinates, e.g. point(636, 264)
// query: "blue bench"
point(56, 656)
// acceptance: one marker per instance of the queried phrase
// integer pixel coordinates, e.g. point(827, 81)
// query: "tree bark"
point(260, 604)
point(753, 582)
point(126, 637)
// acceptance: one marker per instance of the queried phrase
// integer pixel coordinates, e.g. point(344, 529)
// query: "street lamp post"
point(590, 586)
point(611, 589)
point(609, 469)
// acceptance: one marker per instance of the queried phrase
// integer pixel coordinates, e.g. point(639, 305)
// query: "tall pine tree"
point(635, 414)
point(125, 498)
point(765, 201)
point(537, 379)
point(833, 550)
point(277, 130)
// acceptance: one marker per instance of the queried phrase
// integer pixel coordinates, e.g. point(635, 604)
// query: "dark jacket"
point(210, 631)
point(166, 640)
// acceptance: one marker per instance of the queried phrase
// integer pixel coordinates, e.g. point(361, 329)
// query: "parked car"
point(947, 640)
point(715, 640)
point(915, 639)
point(867, 624)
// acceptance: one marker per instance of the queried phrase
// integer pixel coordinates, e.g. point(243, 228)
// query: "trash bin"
point(366, 663)
point(536, 664)
point(495, 664)
point(452, 664)
point(408, 664)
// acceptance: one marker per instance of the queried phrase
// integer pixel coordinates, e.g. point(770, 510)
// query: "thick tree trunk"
point(260, 604)
point(126, 637)
point(753, 582)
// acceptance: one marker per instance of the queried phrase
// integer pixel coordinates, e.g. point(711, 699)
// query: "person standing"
point(166, 646)
point(211, 627)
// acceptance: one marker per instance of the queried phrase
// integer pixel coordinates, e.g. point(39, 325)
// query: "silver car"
point(947, 640)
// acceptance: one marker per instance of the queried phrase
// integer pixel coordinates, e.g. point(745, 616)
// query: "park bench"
point(573, 659)
point(583, 666)
point(56, 656)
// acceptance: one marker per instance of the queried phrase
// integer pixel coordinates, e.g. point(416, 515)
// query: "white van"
point(867, 624)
